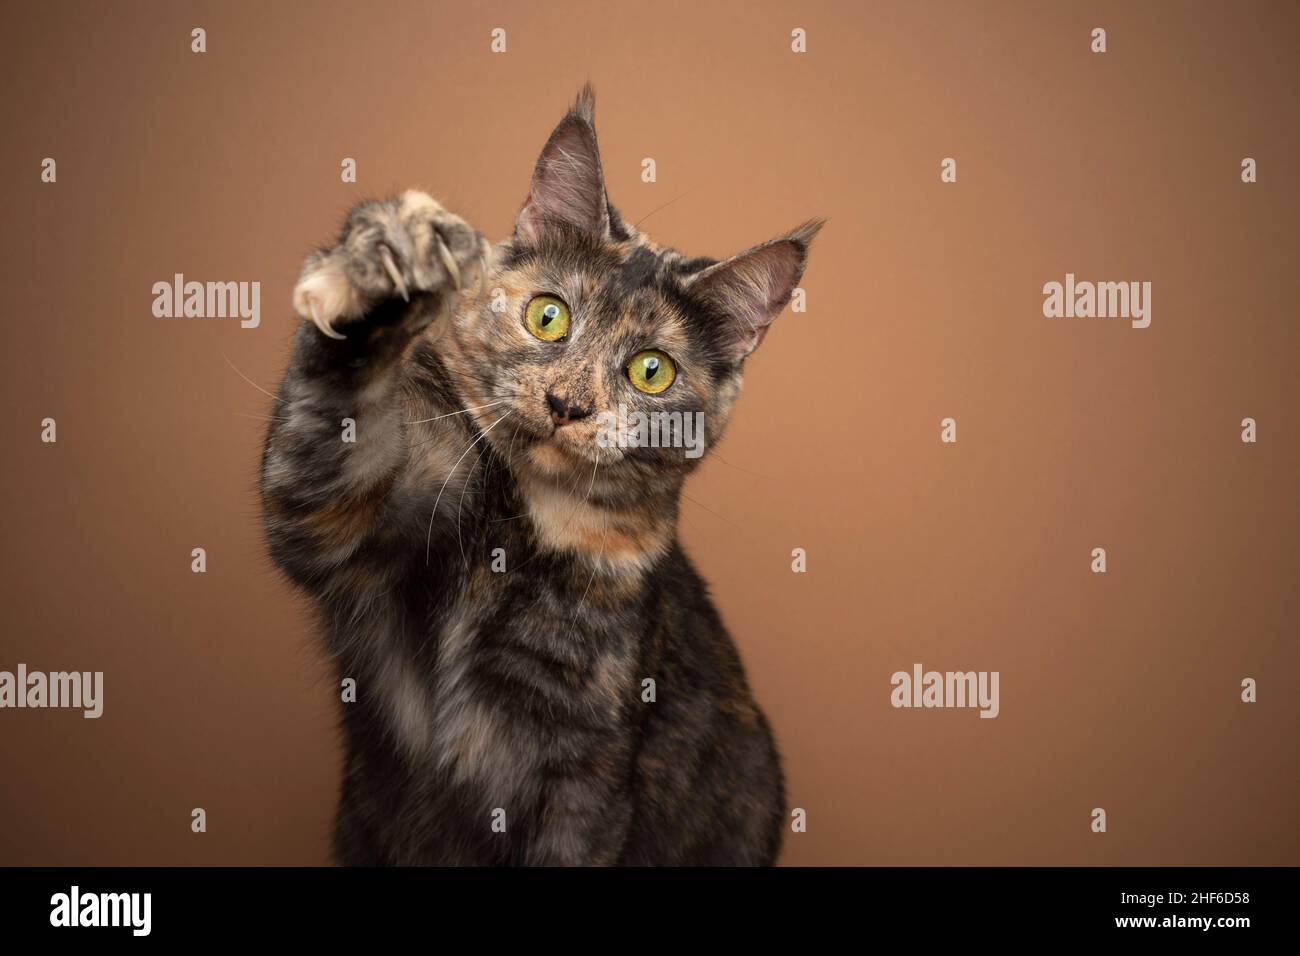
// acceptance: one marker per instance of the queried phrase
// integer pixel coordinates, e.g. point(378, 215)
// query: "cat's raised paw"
point(396, 248)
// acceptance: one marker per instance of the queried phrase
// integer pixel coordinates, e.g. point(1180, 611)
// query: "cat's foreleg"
point(337, 443)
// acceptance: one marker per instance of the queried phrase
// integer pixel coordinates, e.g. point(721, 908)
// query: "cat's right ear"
point(568, 185)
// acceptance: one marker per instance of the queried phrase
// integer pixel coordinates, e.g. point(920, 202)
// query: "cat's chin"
point(562, 455)
point(557, 453)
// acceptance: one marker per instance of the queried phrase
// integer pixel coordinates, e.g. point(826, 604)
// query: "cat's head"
point(596, 345)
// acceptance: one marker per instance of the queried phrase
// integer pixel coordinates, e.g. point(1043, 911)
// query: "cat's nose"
point(562, 413)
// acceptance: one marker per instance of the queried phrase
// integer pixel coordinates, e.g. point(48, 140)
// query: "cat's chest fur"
point(526, 671)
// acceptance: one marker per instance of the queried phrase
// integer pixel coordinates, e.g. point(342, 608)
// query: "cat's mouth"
point(555, 448)
point(576, 440)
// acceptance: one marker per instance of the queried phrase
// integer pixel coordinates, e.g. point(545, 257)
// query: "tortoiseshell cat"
point(499, 581)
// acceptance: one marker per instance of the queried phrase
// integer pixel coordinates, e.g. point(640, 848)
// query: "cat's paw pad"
point(390, 249)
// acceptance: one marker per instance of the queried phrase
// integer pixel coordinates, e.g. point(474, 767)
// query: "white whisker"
point(460, 505)
point(428, 541)
point(275, 398)
point(463, 411)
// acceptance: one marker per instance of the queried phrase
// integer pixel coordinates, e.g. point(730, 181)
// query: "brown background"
point(924, 301)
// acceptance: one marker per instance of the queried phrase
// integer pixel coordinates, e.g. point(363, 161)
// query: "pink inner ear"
point(568, 185)
point(752, 289)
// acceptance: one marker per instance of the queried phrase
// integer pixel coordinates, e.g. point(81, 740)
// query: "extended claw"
point(393, 273)
point(322, 324)
point(484, 254)
point(448, 262)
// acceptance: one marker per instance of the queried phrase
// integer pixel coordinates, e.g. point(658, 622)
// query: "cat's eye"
point(651, 371)
point(547, 318)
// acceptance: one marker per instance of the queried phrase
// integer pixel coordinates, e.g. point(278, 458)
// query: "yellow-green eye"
point(547, 318)
point(651, 371)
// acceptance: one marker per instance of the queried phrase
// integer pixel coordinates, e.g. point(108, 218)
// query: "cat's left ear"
point(568, 184)
point(751, 289)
